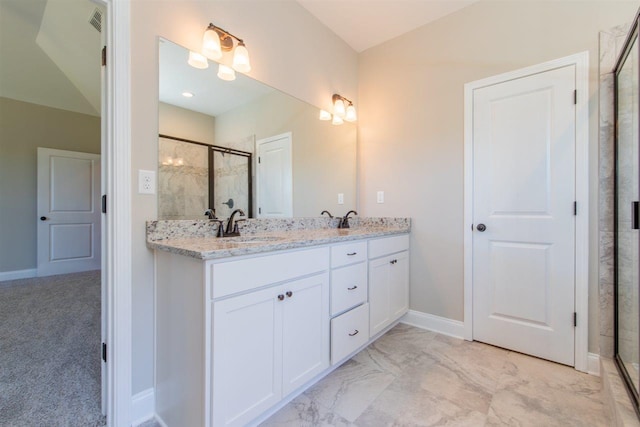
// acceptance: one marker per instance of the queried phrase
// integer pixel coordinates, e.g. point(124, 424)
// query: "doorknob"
point(43, 218)
point(481, 227)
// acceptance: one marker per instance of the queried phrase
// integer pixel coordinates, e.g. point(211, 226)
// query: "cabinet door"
point(399, 285)
point(247, 356)
point(379, 271)
point(305, 337)
point(388, 290)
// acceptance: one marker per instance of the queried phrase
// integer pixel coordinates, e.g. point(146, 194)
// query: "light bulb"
point(226, 73)
point(197, 60)
point(241, 58)
point(211, 44)
point(337, 120)
point(350, 115)
point(338, 108)
point(325, 115)
point(187, 94)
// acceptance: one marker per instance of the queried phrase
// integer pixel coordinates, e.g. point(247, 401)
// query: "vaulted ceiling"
point(50, 54)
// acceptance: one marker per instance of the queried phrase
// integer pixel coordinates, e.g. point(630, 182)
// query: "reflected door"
point(275, 177)
point(627, 216)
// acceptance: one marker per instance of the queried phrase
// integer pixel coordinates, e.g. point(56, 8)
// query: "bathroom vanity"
point(245, 324)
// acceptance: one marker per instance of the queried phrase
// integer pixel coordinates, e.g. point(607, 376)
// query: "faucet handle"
point(235, 225)
point(220, 232)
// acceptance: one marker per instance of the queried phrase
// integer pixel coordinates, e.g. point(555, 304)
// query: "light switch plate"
point(341, 198)
point(146, 182)
point(380, 197)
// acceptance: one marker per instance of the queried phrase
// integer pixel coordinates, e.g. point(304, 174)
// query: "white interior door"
point(68, 220)
point(524, 157)
point(274, 177)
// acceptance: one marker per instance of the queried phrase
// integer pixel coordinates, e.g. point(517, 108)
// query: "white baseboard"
point(593, 364)
point(442, 325)
point(17, 274)
point(143, 406)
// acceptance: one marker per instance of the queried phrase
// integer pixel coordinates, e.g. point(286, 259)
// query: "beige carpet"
point(50, 351)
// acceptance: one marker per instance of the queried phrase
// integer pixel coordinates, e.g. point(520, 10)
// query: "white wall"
point(411, 124)
point(290, 50)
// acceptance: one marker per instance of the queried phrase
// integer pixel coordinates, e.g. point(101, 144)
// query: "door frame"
point(116, 228)
point(581, 62)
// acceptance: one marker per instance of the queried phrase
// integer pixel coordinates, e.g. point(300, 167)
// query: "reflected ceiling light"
point(197, 60)
point(216, 41)
point(351, 116)
point(187, 94)
point(226, 73)
point(337, 120)
point(325, 115)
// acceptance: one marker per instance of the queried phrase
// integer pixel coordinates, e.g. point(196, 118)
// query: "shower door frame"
point(634, 33)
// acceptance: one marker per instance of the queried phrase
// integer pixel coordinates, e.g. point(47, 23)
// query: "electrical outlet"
point(146, 182)
point(341, 198)
point(380, 197)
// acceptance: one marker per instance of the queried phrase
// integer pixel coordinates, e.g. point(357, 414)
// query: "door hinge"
point(104, 352)
point(575, 97)
point(259, 210)
point(259, 160)
point(575, 208)
point(104, 203)
point(575, 319)
point(104, 56)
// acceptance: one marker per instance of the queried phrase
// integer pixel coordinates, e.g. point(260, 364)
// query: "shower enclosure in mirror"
point(250, 166)
point(627, 216)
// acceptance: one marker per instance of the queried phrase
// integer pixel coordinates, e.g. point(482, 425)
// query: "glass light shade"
point(350, 115)
point(337, 120)
point(211, 44)
point(339, 108)
point(241, 59)
point(325, 115)
point(197, 60)
point(226, 73)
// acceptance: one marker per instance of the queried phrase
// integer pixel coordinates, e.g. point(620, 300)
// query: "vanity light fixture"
point(216, 41)
point(197, 60)
point(343, 110)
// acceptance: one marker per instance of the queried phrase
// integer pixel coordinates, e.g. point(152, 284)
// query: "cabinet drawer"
point(388, 245)
point(349, 332)
point(232, 277)
point(348, 253)
point(348, 287)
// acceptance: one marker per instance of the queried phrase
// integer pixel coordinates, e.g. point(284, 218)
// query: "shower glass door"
point(627, 235)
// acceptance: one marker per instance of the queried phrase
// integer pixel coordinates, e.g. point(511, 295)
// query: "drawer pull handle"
point(394, 261)
point(354, 288)
point(355, 333)
point(281, 297)
point(352, 254)
point(289, 294)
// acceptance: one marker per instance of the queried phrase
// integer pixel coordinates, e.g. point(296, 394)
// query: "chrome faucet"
point(326, 212)
point(344, 222)
point(232, 228)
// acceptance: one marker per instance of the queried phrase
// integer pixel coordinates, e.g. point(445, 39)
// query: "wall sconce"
point(343, 110)
point(215, 41)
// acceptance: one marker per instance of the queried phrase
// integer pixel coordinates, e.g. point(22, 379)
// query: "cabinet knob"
point(280, 297)
point(354, 334)
point(354, 288)
point(289, 294)
point(43, 218)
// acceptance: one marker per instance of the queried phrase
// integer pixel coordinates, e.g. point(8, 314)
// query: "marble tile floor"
point(413, 377)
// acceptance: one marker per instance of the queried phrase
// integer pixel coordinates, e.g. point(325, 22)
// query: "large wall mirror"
point(242, 144)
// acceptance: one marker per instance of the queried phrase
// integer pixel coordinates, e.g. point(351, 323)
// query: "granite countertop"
point(207, 247)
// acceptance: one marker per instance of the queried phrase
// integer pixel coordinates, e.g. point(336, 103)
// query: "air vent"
point(96, 20)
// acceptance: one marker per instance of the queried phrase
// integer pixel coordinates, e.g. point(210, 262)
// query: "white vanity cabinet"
point(238, 336)
point(388, 281)
point(266, 344)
